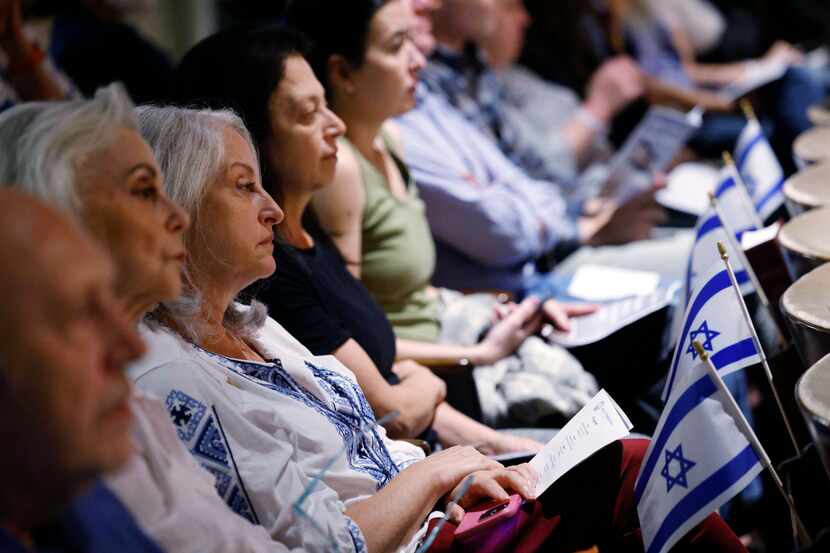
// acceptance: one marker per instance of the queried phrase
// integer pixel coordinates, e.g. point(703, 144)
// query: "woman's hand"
point(496, 483)
point(560, 314)
point(446, 469)
point(505, 337)
point(785, 53)
point(421, 379)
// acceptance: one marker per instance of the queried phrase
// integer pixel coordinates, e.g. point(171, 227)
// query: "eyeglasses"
point(298, 506)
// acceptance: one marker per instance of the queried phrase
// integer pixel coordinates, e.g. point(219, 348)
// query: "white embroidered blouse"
point(265, 430)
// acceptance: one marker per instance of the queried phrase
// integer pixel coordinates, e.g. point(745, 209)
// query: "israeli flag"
point(698, 459)
point(760, 169)
point(713, 317)
point(710, 230)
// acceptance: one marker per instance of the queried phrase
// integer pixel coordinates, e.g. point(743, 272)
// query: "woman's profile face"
point(387, 81)
point(124, 207)
point(232, 239)
point(302, 150)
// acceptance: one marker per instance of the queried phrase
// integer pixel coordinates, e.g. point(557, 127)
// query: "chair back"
point(805, 241)
point(808, 189)
point(811, 146)
point(813, 395)
point(806, 308)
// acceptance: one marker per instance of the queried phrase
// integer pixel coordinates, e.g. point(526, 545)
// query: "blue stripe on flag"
point(690, 399)
point(734, 353)
point(724, 186)
point(717, 283)
point(717, 483)
point(744, 154)
point(708, 226)
point(774, 191)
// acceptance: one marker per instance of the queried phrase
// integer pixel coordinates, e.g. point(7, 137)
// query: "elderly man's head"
point(64, 413)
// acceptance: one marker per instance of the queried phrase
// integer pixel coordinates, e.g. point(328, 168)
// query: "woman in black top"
point(319, 302)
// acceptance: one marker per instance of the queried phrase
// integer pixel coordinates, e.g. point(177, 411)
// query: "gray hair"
point(189, 146)
point(45, 143)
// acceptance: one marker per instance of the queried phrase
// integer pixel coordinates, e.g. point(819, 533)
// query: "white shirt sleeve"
point(174, 499)
point(255, 467)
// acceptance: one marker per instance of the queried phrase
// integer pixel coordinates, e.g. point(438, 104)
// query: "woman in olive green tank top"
point(374, 215)
point(397, 252)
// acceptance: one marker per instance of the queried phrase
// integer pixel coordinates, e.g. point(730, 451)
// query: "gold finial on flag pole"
point(728, 159)
point(722, 250)
point(749, 112)
point(700, 351)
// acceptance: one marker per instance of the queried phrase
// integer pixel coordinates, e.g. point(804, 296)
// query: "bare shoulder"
point(340, 205)
point(394, 134)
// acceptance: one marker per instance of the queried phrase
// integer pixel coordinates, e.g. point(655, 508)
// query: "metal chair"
point(808, 189)
point(812, 146)
point(804, 241)
point(813, 395)
point(806, 308)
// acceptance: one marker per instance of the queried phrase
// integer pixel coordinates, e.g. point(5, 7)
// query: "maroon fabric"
point(593, 505)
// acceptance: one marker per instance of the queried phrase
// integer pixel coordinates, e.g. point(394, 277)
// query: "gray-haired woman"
point(87, 158)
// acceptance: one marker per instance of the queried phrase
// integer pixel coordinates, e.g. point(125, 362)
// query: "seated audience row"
point(223, 330)
point(287, 438)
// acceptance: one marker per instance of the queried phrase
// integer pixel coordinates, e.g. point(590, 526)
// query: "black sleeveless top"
point(322, 305)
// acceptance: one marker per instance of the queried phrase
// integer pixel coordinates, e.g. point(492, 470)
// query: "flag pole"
point(740, 185)
point(724, 255)
point(732, 408)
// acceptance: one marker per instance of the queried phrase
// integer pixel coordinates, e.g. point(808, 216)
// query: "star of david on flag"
point(698, 460)
point(676, 476)
point(708, 336)
point(713, 318)
point(760, 169)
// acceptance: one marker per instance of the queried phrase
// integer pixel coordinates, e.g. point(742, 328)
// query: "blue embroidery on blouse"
point(239, 503)
point(211, 445)
point(186, 413)
point(365, 451)
point(210, 449)
point(222, 480)
point(357, 536)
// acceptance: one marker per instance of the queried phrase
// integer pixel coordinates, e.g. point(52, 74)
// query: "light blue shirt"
point(490, 220)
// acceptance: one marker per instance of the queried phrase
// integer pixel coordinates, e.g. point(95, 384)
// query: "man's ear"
point(340, 73)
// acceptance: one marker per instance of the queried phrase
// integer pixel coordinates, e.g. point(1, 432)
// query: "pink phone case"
point(487, 516)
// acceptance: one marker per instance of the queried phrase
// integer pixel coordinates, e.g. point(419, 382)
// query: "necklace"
point(231, 345)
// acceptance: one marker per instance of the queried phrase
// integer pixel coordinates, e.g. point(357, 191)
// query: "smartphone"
point(487, 516)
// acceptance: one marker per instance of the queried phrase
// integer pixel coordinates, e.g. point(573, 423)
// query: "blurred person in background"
point(544, 128)
point(94, 43)
point(27, 73)
point(597, 31)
